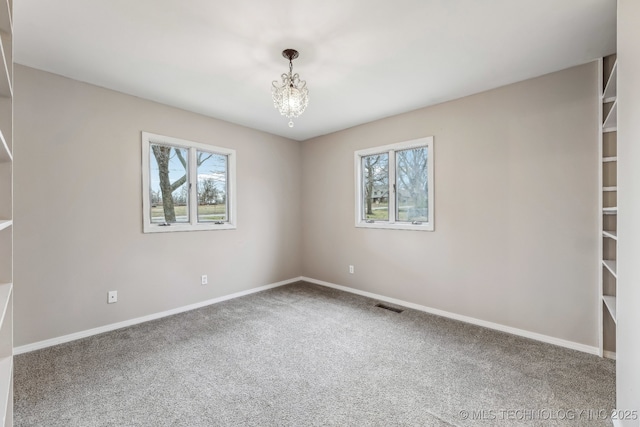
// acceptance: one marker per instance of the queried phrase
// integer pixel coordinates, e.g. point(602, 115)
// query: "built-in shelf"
point(611, 121)
point(7, 147)
point(608, 184)
point(610, 302)
point(611, 266)
point(611, 89)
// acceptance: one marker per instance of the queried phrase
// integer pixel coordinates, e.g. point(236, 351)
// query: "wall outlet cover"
point(112, 297)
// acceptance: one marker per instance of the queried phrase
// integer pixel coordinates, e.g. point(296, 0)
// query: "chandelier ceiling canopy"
point(290, 97)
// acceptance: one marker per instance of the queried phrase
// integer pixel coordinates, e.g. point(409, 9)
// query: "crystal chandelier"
point(292, 97)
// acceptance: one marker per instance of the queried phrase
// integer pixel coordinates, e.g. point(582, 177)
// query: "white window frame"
point(391, 150)
point(192, 179)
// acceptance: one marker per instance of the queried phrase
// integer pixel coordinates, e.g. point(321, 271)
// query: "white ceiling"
point(362, 59)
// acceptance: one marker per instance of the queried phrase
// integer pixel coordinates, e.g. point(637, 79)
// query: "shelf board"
point(5, 296)
point(610, 159)
point(6, 371)
point(610, 211)
point(612, 118)
point(611, 234)
point(5, 153)
point(610, 302)
point(4, 223)
point(611, 88)
point(611, 266)
point(609, 188)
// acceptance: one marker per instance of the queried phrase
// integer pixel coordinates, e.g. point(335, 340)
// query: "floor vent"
point(388, 307)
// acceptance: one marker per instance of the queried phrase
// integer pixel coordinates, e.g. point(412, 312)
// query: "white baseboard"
point(89, 332)
point(515, 331)
point(609, 354)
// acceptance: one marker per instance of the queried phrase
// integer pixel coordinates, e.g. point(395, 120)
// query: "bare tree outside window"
point(412, 190)
point(169, 186)
point(212, 187)
point(375, 179)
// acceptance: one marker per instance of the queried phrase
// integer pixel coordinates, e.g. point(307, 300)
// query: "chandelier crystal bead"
point(290, 97)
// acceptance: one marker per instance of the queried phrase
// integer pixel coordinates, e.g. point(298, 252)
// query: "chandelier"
point(292, 96)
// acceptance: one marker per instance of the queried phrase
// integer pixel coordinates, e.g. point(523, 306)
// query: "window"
point(394, 186)
point(186, 185)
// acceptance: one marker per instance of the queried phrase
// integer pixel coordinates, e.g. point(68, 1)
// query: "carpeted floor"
point(305, 355)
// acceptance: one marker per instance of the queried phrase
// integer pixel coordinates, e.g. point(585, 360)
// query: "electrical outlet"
point(351, 270)
point(203, 279)
point(112, 297)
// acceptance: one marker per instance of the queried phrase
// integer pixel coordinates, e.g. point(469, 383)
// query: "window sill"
point(157, 228)
point(396, 226)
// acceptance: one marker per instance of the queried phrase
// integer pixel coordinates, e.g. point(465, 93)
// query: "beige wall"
point(516, 191)
point(515, 238)
point(78, 228)
point(628, 337)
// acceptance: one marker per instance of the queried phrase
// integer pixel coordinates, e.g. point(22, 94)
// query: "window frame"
point(391, 149)
point(192, 180)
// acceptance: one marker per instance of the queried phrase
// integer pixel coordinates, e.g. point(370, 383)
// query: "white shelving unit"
point(608, 86)
point(6, 213)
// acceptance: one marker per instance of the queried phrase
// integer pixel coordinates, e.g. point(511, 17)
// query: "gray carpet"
point(305, 355)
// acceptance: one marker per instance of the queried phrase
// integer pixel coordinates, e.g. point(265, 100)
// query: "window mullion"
point(392, 187)
point(193, 181)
